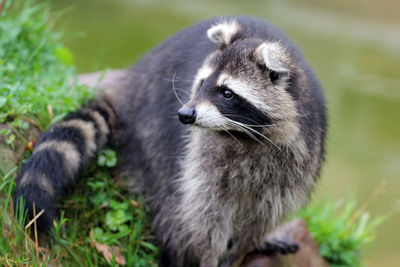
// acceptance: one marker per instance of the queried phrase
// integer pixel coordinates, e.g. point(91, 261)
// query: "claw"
point(282, 245)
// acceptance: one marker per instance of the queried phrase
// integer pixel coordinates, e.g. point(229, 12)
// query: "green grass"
point(100, 224)
point(96, 217)
point(341, 230)
point(38, 87)
point(35, 69)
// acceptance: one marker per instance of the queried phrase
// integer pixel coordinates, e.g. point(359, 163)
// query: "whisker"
point(240, 116)
point(260, 134)
point(174, 89)
point(183, 91)
point(177, 79)
point(302, 115)
point(248, 133)
point(256, 132)
point(257, 125)
point(240, 144)
point(250, 125)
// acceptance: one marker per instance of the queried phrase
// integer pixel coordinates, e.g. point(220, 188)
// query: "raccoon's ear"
point(223, 33)
point(273, 56)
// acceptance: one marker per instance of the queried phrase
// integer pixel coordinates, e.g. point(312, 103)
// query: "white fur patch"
point(202, 74)
point(208, 116)
point(71, 155)
point(223, 33)
point(244, 90)
point(88, 132)
point(101, 122)
point(273, 55)
point(210, 228)
point(42, 181)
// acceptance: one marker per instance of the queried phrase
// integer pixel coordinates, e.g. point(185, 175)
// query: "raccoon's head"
point(242, 87)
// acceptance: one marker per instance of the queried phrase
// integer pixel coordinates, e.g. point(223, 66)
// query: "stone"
point(307, 256)
point(102, 80)
point(11, 155)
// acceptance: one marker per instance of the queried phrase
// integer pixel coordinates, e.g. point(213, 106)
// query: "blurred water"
point(354, 47)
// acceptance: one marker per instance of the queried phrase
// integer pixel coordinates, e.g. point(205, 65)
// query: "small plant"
point(341, 230)
point(107, 157)
point(118, 226)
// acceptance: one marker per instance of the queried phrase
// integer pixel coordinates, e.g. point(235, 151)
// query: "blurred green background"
point(353, 46)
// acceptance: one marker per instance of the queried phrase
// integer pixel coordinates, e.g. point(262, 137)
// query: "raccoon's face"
point(242, 87)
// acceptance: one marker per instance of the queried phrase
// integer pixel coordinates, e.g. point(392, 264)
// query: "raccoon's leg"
point(59, 155)
point(209, 261)
point(272, 245)
point(172, 258)
point(237, 251)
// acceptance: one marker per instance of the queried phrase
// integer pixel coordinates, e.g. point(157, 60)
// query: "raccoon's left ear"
point(273, 56)
point(223, 33)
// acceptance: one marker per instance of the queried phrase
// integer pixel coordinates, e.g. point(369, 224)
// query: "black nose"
point(187, 115)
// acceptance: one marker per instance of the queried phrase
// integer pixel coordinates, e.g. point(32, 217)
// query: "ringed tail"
point(58, 157)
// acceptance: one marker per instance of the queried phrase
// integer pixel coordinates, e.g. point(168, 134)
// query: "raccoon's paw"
point(283, 245)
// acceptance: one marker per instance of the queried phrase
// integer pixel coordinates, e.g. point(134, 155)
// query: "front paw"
point(283, 245)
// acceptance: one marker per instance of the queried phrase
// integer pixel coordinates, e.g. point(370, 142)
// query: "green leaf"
point(115, 218)
point(5, 131)
point(65, 55)
point(98, 234)
point(107, 158)
point(3, 101)
point(96, 185)
point(119, 205)
point(149, 246)
point(25, 125)
point(101, 160)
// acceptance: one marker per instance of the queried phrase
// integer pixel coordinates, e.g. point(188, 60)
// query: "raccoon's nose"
point(187, 115)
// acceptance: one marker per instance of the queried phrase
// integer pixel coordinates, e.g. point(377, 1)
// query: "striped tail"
point(59, 155)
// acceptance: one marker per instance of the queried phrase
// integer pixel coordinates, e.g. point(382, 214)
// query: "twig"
point(17, 133)
point(27, 239)
point(34, 218)
point(34, 123)
point(35, 229)
point(2, 5)
point(6, 260)
point(50, 111)
point(11, 207)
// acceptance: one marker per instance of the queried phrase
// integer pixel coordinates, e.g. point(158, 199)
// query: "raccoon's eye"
point(227, 94)
point(273, 75)
point(201, 83)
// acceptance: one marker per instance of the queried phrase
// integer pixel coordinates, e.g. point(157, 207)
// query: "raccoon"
point(246, 151)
